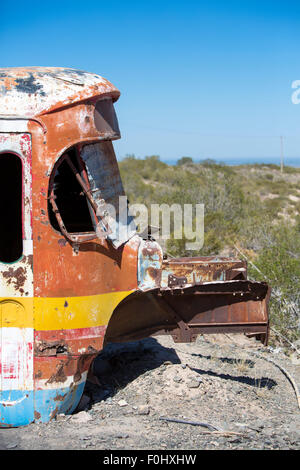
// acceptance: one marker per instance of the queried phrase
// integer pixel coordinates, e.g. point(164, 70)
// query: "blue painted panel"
point(19, 407)
point(16, 408)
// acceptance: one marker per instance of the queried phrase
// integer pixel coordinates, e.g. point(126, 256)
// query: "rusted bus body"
point(67, 283)
point(56, 293)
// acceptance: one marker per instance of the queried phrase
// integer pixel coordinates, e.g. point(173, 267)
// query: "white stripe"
point(42, 384)
point(16, 353)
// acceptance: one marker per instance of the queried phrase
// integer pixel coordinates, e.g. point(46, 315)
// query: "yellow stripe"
point(16, 312)
point(54, 313)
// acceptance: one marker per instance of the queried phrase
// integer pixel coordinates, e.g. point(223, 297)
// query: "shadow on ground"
point(121, 363)
point(262, 382)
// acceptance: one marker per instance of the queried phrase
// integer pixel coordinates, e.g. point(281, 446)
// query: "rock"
point(241, 425)
point(277, 350)
point(257, 426)
point(222, 440)
point(60, 417)
point(214, 443)
point(198, 380)
point(295, 359)
point(82, 417)
point(122, 403)
point(235, 440)
point(177, 379)
point(193, 383)
point(143, 410)
point(12, 446)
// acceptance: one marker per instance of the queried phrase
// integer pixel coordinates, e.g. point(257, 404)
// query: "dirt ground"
point(243, 401)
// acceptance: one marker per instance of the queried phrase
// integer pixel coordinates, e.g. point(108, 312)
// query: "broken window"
point(84, 191)
point(108, 193)
point(68, 197)
point(11, 236)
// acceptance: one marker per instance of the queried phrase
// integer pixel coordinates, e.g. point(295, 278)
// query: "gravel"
point(213, 381)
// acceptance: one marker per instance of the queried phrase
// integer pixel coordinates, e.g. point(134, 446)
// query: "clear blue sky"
point(202, 79)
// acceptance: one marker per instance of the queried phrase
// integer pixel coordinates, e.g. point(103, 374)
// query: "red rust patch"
point(15, 276)
point(58, 376)
point(60, 397)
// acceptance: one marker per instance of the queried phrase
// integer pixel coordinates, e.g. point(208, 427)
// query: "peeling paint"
point(31, 91)
point(150, 258)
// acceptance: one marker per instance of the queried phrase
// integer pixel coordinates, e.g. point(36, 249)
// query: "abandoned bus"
point(74, 276)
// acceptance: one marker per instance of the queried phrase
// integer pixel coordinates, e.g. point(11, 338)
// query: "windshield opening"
point(69, 197)
point(84, 195)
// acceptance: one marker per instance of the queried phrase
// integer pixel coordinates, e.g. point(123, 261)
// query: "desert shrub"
point(184, 161)
point(279, 263)
point(235, 215)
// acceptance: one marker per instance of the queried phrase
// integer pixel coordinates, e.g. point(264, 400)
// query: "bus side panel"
point(16, 301)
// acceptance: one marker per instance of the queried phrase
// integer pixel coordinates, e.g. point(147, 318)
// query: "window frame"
point(20, 159)
point(76, 237)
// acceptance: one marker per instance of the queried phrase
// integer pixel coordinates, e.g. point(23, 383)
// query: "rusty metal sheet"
point(231, 306)
point(193, 271)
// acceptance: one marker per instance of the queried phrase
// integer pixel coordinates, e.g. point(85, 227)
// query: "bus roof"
point(33, 91)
